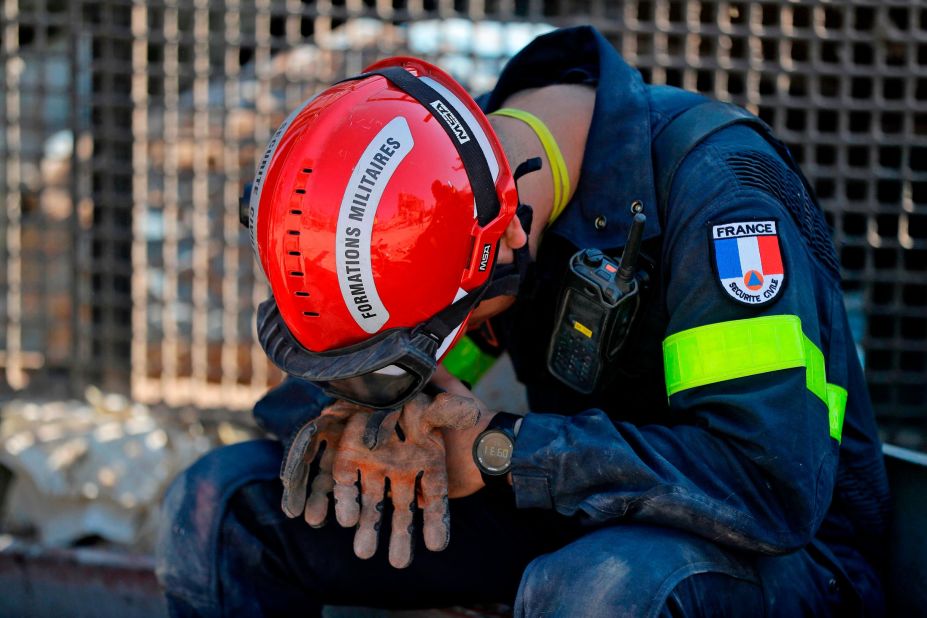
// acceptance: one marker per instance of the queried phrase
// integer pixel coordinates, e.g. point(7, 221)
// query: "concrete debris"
point(99, 467)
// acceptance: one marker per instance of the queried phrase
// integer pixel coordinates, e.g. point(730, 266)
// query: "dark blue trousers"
point(226, 549)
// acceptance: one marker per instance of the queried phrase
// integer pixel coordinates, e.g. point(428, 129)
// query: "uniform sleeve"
point(752, 460)
point(288, 406)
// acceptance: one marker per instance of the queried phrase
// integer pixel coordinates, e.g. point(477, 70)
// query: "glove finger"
point(323, 483)
point(437, 515)
point(380, 425)
point(412, 421)
point(347, 496)
point(346, 472)
point(372, 497)
point(401, 540)
point(347, 504)
point(295, 471)
point(452, 411)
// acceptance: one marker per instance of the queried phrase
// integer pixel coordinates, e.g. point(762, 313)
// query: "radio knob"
point(593, 258)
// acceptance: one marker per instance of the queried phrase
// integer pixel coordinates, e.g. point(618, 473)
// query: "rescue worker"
point(725, 464)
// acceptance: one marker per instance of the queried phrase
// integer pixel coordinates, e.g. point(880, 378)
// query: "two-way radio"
point(598, 305)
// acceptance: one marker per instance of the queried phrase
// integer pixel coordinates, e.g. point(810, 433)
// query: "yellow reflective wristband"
point(739, 348)
point(558, 167)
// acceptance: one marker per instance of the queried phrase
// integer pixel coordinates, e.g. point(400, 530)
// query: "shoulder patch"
point(748, 261)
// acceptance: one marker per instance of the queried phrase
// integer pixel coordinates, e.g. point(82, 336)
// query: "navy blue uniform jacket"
point(747, 462)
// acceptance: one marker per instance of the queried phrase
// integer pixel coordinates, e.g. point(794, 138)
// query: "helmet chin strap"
point(506, 279)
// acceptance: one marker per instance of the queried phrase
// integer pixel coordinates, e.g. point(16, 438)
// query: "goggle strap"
point(445, 321)
point(474, 161)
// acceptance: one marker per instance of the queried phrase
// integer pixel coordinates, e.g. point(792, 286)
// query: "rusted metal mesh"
point(130, 127)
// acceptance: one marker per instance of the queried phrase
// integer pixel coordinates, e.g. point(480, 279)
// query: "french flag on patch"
point(749, 261)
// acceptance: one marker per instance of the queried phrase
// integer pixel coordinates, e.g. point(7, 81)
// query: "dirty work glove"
point(326, 429)
point(412, 459)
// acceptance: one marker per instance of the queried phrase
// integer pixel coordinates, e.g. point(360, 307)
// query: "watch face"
point(494, 452)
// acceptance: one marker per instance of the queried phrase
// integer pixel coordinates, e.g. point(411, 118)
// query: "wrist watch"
point(492, 449)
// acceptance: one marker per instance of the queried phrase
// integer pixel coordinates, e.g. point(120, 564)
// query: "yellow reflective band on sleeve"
point(836, 406)
point(558, 167)
point(739, 348)
point(815, 372)
point(467, 362)
point(729, 350)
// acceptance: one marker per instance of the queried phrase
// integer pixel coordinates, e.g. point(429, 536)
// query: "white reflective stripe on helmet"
point(258, 185)
point(354, 235)
point(464, 112)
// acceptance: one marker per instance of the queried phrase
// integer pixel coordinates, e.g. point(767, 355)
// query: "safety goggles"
point(384, 371)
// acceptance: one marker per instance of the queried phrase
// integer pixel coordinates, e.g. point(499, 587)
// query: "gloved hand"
point(412, 459)
point(325, 429)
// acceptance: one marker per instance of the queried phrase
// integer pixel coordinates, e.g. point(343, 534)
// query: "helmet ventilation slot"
point(301, 191)
point(303, 294)
point(296, 273)
point(293, 232)
point(310, 314)
point(307, 170)
point(296, 211)
point(294, 253)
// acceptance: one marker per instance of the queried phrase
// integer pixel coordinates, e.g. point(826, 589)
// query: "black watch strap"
point(502, 422)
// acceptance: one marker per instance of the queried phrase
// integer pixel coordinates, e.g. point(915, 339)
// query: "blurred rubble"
point(98, 468)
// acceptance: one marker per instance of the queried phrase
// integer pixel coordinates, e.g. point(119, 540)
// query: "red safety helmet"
point(375, 215)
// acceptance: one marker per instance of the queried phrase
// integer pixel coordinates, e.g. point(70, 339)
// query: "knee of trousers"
point(621, 571)
point(192, 513)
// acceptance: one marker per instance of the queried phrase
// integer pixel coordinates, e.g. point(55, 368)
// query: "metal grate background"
point(129, 128)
